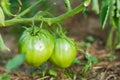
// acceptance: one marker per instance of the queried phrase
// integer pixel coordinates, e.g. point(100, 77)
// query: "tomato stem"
point(48, 20)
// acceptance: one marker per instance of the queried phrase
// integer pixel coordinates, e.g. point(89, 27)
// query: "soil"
point(78, 28)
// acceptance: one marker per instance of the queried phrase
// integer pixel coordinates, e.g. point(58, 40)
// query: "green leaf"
point(15, 62)
point(85, 12)
point(86, 68)
point(2, 45)
point(4, 77)
point(95, 6)
point(52, 72)
point(118, 8)
point(104, 13)
point(84, 44)
point(91, 58)
point(77, 61)
point(2, 17)
point(111, 56)
point(90, 39)
point(115, 13)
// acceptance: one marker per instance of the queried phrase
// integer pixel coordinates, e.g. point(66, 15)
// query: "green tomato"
point(64, 52)
point(38, 47)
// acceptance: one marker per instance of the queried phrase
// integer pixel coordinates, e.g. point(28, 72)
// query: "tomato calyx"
point(34, 31)
point(63, 36)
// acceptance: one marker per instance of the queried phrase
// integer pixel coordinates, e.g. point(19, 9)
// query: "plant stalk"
point(48, 20)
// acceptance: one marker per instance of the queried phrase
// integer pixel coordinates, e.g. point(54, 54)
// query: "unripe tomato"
point(64, 52)
point(38, 47)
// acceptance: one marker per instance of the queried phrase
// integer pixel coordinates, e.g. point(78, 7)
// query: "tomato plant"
point(38, 45)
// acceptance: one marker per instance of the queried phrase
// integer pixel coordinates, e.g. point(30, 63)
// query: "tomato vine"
point(19, 20)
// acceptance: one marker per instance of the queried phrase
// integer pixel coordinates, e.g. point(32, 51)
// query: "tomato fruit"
point(64, 52)
point(37, 45)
